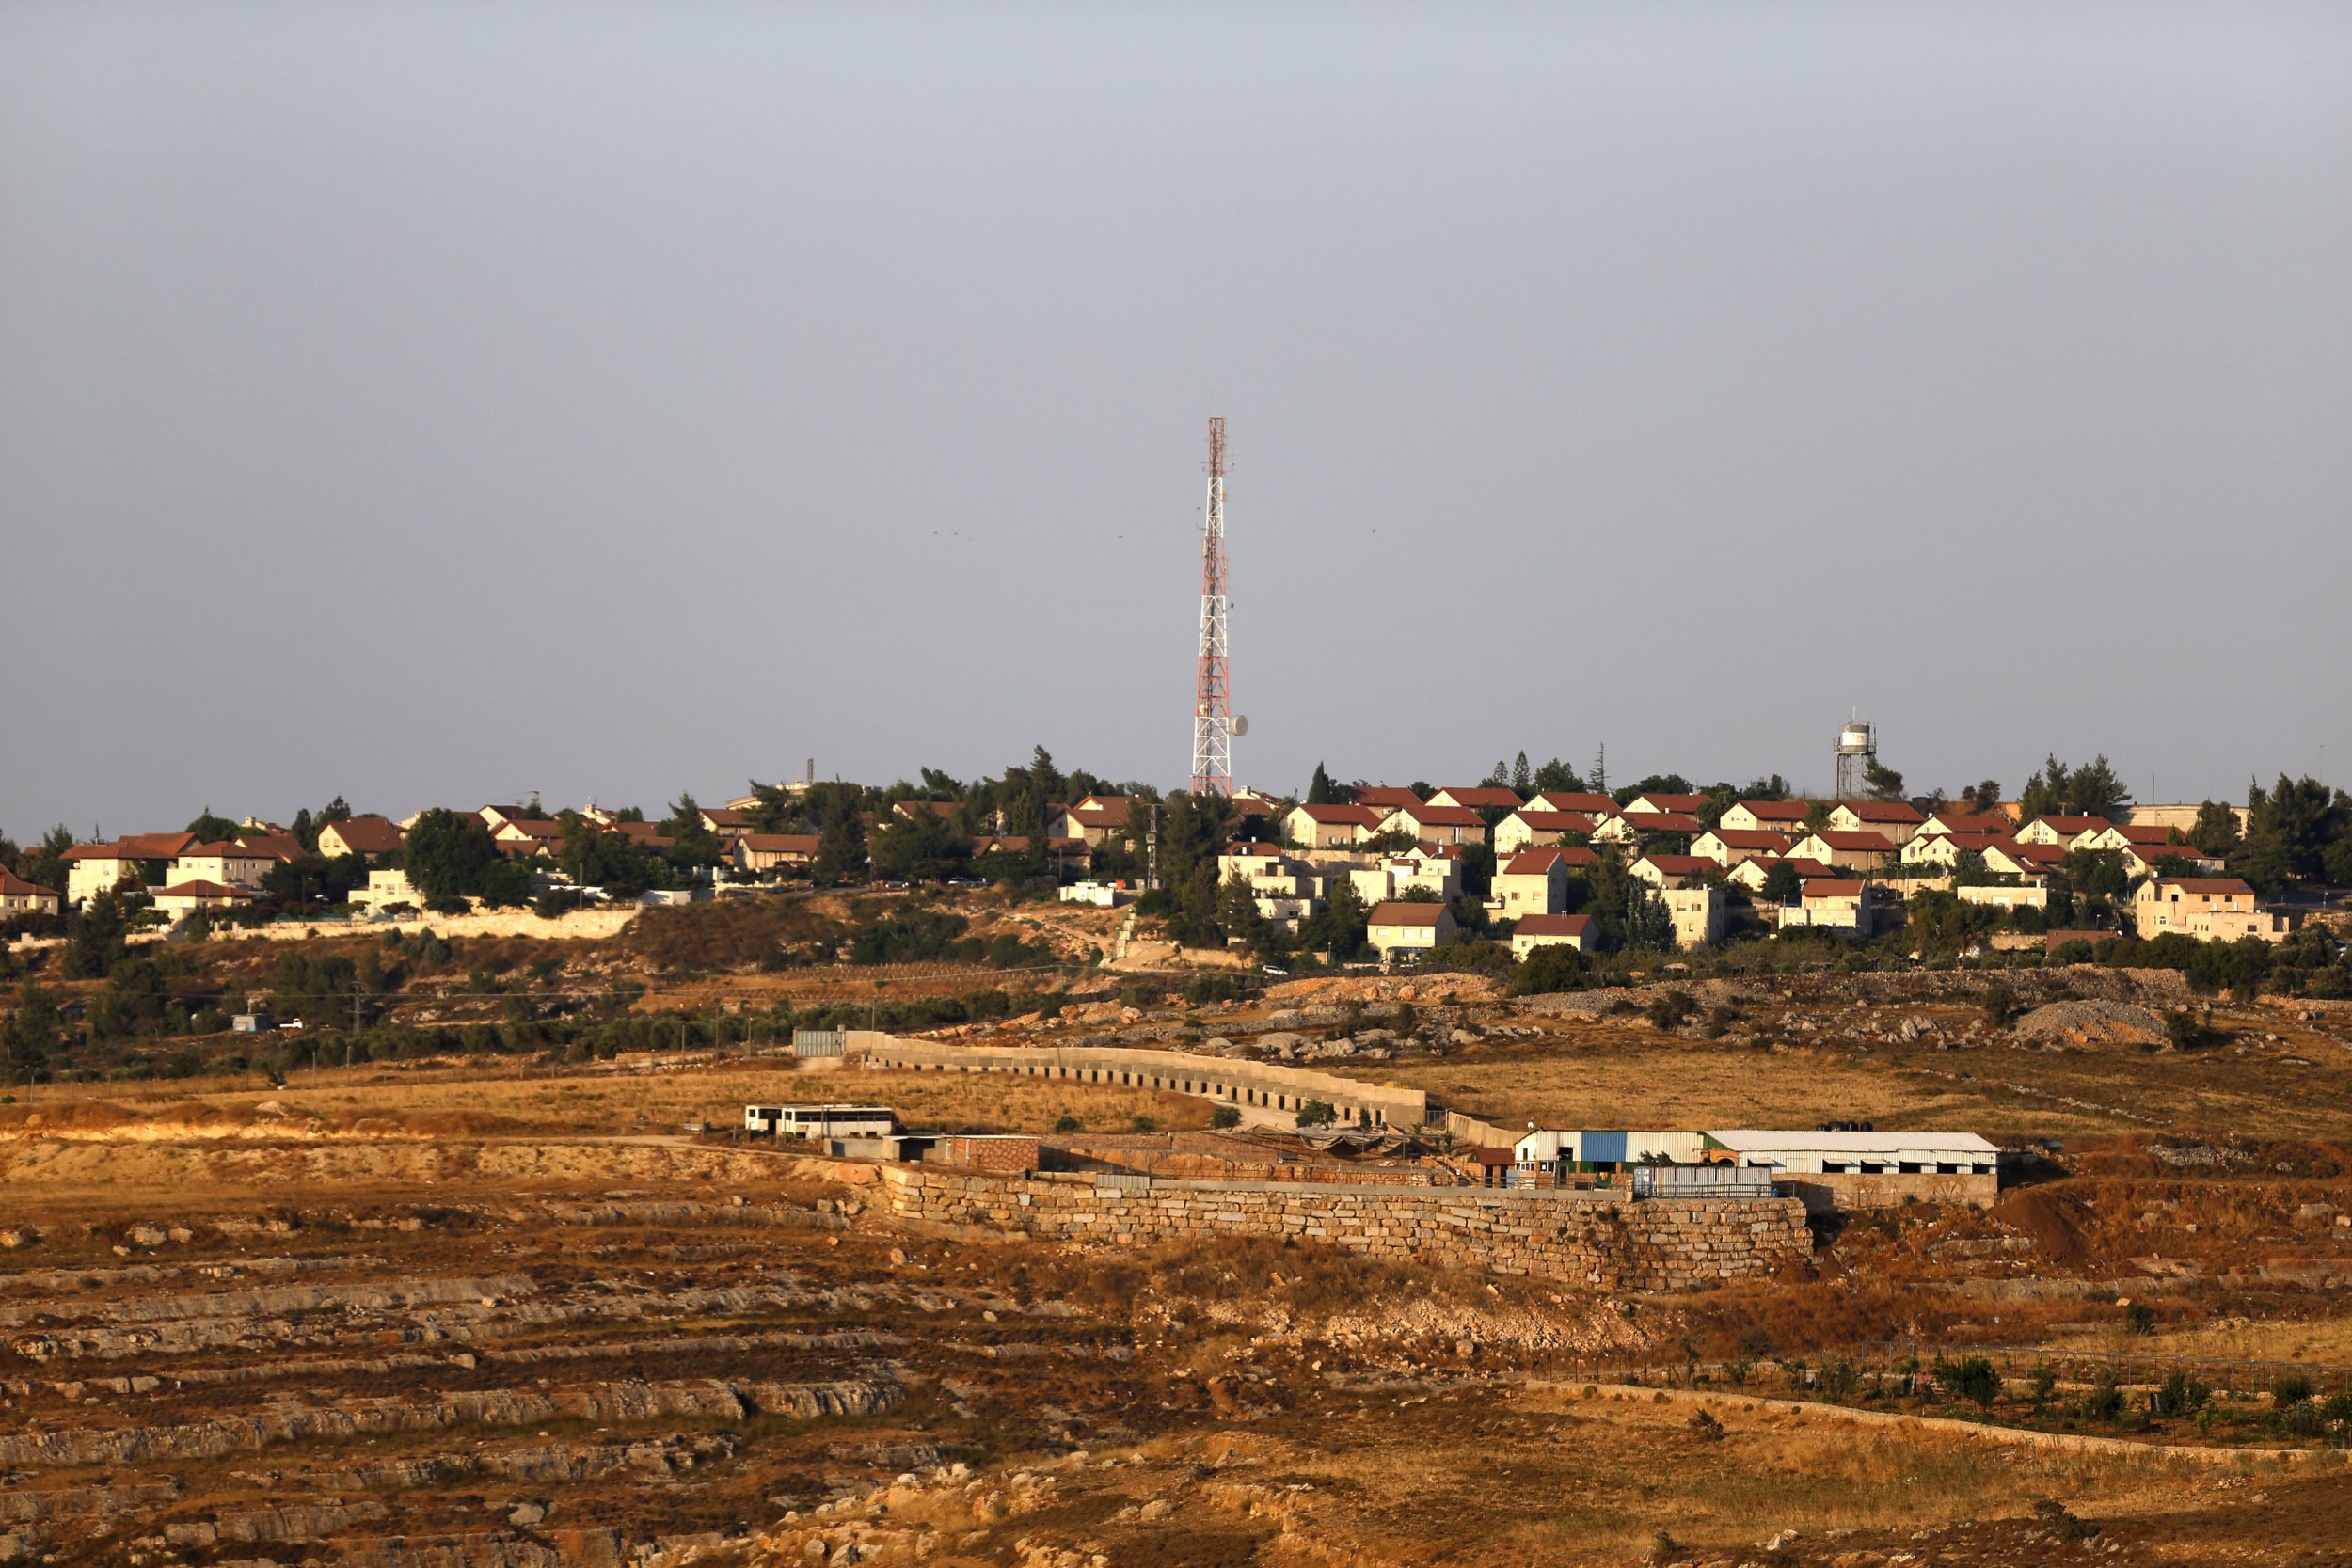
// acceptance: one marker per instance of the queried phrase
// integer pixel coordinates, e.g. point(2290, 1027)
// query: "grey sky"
point(436, 403)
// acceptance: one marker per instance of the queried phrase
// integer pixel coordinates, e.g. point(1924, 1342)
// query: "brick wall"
point(1601, 1242)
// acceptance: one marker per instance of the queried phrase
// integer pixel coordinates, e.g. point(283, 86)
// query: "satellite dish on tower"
point(1240, 723)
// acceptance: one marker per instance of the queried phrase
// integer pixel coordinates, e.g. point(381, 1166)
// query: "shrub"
point(1671, 1009)
point(1707, 1428)
point(1971, 1377)
point(2139, 1318)
point(2180, 1395)
point(1317, 1113)
point(1225, 1115)
point(2000, 1006)
point(2105, 1403)
point(2042, 1383)
point(2291, 1389)
point(1068, 1124)
point(1143, 1124)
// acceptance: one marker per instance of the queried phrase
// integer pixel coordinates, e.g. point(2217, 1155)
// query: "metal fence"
point(818, 1042)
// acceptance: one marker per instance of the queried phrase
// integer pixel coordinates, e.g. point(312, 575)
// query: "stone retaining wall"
point(1597, 1240)
point(1281, 1089)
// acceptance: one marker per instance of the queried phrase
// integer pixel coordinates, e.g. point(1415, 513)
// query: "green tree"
point(1781, 884)
point(97, 936)
point(1556, 774)
point(1322, 791)
point(1882, 782)
point(1338, 928)
point(1478, 869)
point(691, 842)
point(1983, 796)
point(30, 1036)
point(1237, 914)
point(2215, 830)
point(212, 830)
point(449, 856)
point(2093, 789)
point(1522, 776)
point(44, 863)
point(840, 844)
point(1553, 967)
point(1649, 926)
point(924, 846)
point(2289, 830)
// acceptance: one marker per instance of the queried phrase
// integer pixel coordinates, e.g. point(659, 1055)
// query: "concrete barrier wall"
point(1592, 1242)
point(1281, 1089)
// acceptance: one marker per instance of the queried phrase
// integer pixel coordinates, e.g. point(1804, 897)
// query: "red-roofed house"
point(1945, 849)
point(1672, 870)
point(1536, 881)
point(1751, 874)
point(726, 823)
point(1848, 849)
point(1408, 929)
point(772, 851)
point(1435, 824)
point(1679, 804)
point(1628, 826)
point(1895, 821)
point(1385, 799)
point(1528, 825)
point(1329, 827)
point(2169, 860)
point(1553, 930)
point(1487, 796)
point(1583, 800)
point(1095, 819)
point(19, 896)
point(2209, 909)
point(2011, 857)
point(233, 863)
point(1944, 823)
point(1778, 816)
point(1840, 903)
point(369, 837)
point(2060, 830)
point(1728, 846)
point(525, 837)
point(181, 899)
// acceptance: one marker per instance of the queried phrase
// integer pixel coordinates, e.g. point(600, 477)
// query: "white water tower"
point(1857, 748)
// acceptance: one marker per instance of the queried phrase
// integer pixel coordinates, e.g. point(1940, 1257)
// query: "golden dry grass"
point(1625, 1075)
point(653, 1099)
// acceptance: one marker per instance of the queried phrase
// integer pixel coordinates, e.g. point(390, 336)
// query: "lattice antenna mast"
point(1213, 688)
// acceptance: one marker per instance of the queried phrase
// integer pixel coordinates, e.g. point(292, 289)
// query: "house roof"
point(1851, 838)
point(1661, 821)
point(1537, 863)
point(1441, 816)
point(912, 809)
point(1336, 816)
point(1407, 913)
point(368, 835)
point(1429, 851)
point(1753, 838)
point(2168, 852)
point(2036, 854)
point(726, 817)
point(1883, 810)
point(1679, 866)
point(1971, 822)
point(780, 844)
point(648, 835)
point(1589, 802)
point(14, 886)
point(1386, 796)
point(136, 847)
point(2071, 826)
point(200, 890)
point(1832, 887)
point(544, 829)
point(223, 849)
point(2145, 833)
point(1979, 842)
point(1553, 925)
point(1776, 811)
point(2207, 884)
point(1671, 802)
point(1808, 869)
point(1554, 821)
point(277, 847)
point(1481, 795)
point(1254, 849)
point(1750, 1140)
point(1104, 810)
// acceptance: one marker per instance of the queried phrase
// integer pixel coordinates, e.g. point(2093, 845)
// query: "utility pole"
point(1213, 724)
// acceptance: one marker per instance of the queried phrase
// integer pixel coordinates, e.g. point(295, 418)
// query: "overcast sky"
point(436, 403)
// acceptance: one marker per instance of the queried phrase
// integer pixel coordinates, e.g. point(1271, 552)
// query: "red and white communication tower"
point(1214, 726)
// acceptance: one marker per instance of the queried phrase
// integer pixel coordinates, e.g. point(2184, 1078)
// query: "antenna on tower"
point(1214, 726)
